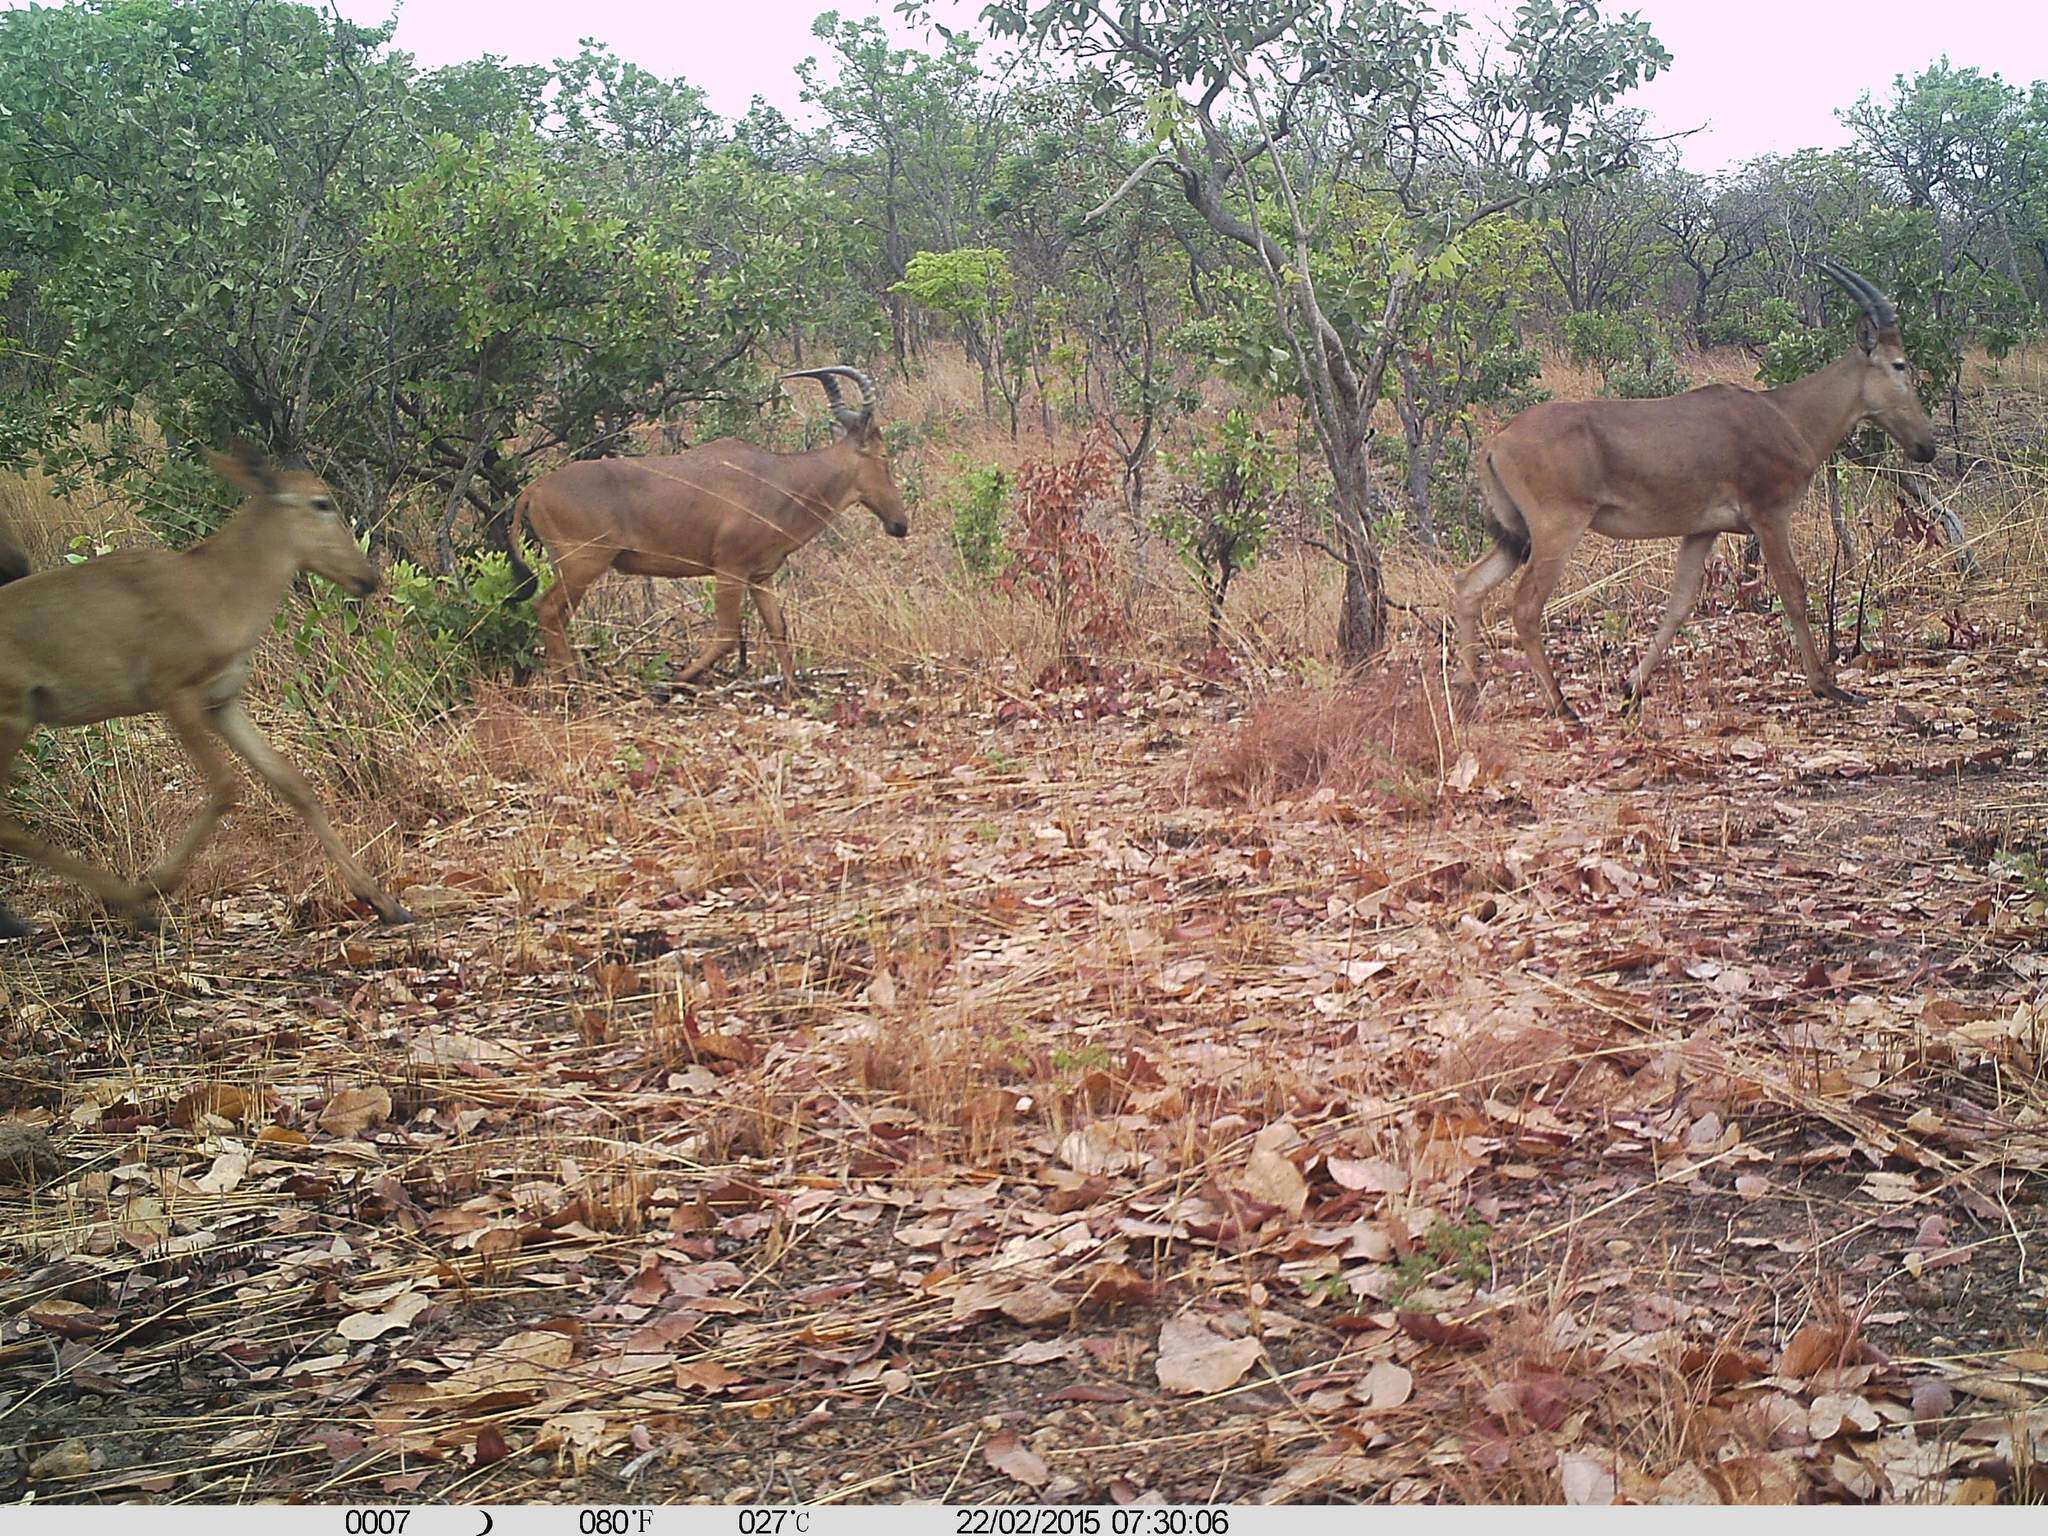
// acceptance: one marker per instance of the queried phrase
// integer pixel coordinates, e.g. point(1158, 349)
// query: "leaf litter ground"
point(934, 1095)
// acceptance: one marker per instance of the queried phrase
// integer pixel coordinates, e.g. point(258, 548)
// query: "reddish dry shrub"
point(1056, 558)
point(1388, 736)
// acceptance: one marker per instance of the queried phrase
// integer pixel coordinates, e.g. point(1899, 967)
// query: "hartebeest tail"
point(724, 509)
point(13, 559)
point(170, 632)
point(1717, 460)
point(1504, 519)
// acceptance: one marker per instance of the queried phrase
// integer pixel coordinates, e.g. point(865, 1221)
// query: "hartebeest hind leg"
point(240, 733)
point(726, 601)
point(1687, 575)
point(1774, 532)
point(552, 608)
point(1490, 571)
point(115, 893)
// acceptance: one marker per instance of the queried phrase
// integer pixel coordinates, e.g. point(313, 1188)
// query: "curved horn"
point(848, 416)
point(833, 371)
point(1874, 304)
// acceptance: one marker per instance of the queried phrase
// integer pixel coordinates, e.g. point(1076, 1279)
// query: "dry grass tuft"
point(1390, 735)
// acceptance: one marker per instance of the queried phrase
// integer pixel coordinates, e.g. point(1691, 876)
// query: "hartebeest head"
point(299, 514)
point(1885, 385)
point(875, 482)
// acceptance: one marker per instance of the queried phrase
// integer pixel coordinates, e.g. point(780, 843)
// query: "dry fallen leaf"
point(1835, 1413)
point(69, 1319)
point(1195, 1360)
point(352, 1110)
point(1386, 1385)
point(517, 1369)
point(1813, 1348)
point(360, 1326)
point(1272, 1177)
point(1586, 1479)
point(1013, 1458)
point(706, 1375)
point(1373, 1174)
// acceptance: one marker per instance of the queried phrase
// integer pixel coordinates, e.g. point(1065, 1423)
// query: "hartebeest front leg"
point(1687, 575)
point(188, 720)
point(726, 601)
point(240, 733)
point(1774, 533)
point(769, 605)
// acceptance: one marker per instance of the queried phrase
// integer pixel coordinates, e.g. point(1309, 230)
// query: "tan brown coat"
point(1692, 467)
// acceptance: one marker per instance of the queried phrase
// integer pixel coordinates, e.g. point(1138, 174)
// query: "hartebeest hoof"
point(394, 916)
point(12, 927)
point(143, 916)
point(1839, 695)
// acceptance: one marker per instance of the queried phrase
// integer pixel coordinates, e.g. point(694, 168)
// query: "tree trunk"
point(458, 494)
point(1362, 621)
point(1418, 487)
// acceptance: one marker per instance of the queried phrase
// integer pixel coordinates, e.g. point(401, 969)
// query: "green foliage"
point(1459, 1249)
point(478, 615)
point(1220, 519)
point(978, 520)
point(1630, 351)
point(969, 283)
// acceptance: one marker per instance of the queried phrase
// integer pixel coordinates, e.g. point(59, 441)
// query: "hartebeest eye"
point(1898, 367)
point(326, 503)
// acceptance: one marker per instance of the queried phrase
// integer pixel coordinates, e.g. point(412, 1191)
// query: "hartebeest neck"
point(1823, 407)
point(821, 484)
point(241, 574)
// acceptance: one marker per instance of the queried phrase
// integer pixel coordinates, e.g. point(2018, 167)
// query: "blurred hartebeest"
point(725, 509)
point(13, 559)
point(169, 632)
point(1713, 461)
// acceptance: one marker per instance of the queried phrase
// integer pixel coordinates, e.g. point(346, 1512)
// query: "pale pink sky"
point(1761, 75)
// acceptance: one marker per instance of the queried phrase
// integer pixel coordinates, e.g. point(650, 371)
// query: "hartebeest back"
point(1713, 461)
point(724, 509)
point(170, 632)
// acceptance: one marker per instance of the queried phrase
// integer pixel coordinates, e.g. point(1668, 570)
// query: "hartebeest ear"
point(244, 467)
point(1866, 334)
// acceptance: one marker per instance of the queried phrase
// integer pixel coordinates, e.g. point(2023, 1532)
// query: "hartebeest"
point(13, 559)
point(170, 632)
point(1716, 460)
point(724, 509)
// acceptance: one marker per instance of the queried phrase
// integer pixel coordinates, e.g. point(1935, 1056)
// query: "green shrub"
point(1221, 518)
point(477, 618)
point(978, 520)
point(1629, 350)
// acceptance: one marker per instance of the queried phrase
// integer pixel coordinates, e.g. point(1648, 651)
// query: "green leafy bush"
point(1220, 519)
point(978, 520)
point(477, 619)
point(1629, 350)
